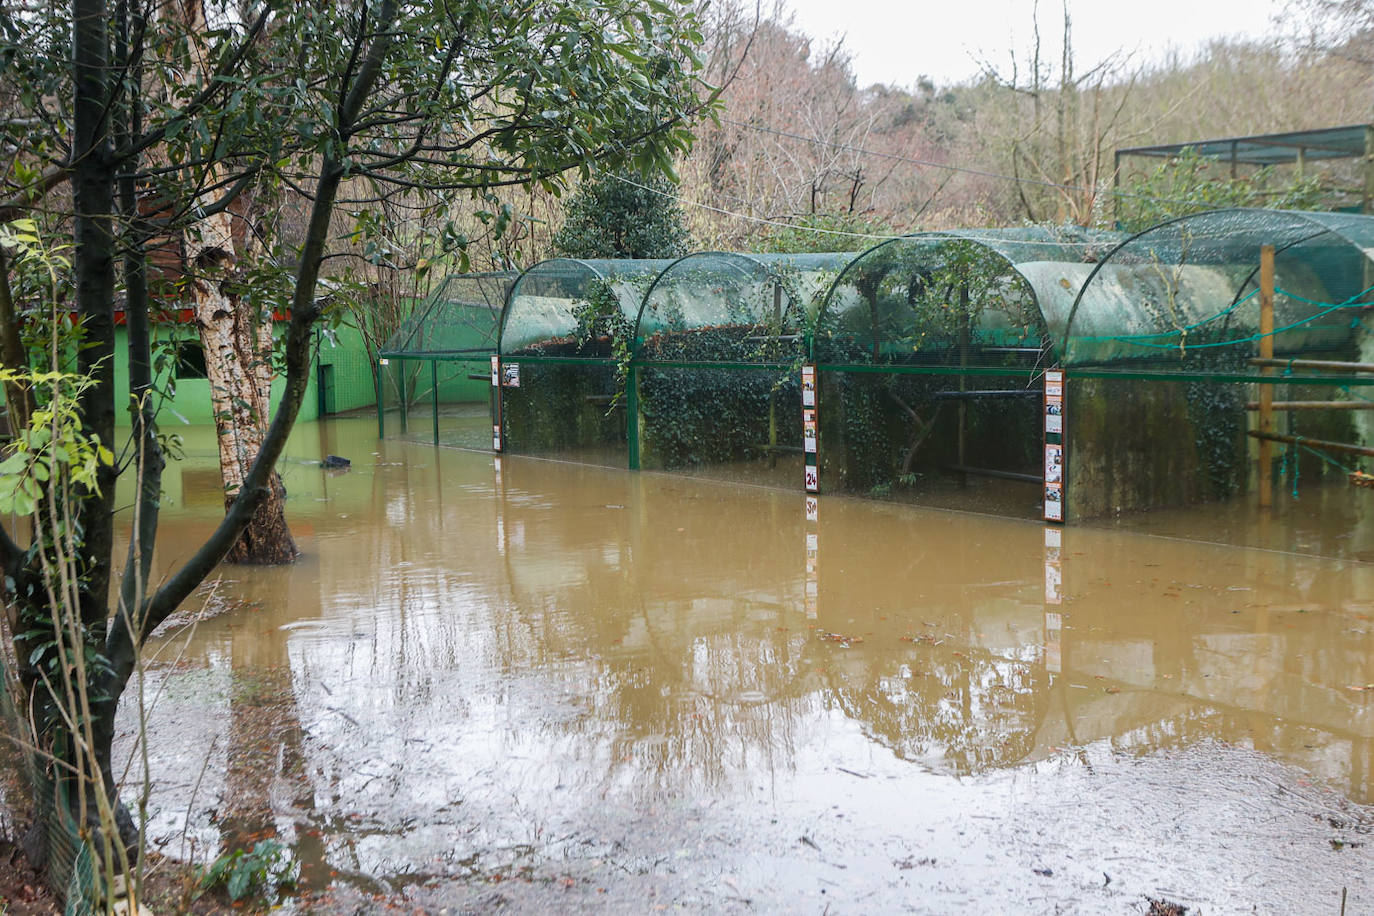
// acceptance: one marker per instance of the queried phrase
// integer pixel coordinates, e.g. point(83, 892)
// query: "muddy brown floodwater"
point(562, 687)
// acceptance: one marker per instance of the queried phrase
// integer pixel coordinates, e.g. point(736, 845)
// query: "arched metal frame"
point(589, 270)
point(1226, 244)
point(1016, 247)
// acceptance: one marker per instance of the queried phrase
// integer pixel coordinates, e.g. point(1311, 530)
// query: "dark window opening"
point(190, 360)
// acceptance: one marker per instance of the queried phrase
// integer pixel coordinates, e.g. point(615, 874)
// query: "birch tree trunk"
point(237, 337)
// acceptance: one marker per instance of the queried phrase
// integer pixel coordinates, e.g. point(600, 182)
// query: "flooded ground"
point(566, 687)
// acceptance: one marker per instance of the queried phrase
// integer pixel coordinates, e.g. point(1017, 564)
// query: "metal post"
point(434, 395)
point(776, 330)
point(1367, 204)
point(632, 415)
point(1266, 390)
point(381, 407)
point(405, 406)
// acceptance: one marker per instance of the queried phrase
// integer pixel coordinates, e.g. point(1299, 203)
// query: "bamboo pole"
point(1334, 365)
point(1266, 392)
point(1314, 405)
point(1321, 445)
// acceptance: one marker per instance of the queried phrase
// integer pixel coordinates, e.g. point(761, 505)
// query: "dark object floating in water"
point(335, 463)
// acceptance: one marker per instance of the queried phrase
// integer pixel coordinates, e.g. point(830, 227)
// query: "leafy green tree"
point(335, 105)
point(823, 232)
point(1187, 184)
point(623, 215)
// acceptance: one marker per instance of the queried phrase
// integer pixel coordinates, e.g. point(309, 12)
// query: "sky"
point(897, 41)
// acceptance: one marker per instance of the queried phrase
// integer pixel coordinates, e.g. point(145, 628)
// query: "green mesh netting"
point(721, 338)
point(955, 299)
point(575, 308)
point(435, 383)
point(566, 341)
point(70, 869)
point(461, 314)
point(1182, 296)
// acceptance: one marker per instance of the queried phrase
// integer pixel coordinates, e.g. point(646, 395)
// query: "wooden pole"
point(1266, 391)
point(1329, 364)
point(1321, 445)
point(1314, 405)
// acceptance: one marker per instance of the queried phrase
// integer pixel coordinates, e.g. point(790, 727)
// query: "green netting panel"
point(935, 438)
point(731, 423)
point(723, 307)
point(566, 307)
point(461, 314)
point(574, 412)
point(443, 401)
point(1182, 296)
point(955, 299)
point(70, 868)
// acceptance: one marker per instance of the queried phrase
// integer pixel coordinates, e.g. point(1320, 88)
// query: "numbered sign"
point(812, 479)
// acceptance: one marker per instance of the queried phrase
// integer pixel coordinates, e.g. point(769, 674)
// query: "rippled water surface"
point(564, 687)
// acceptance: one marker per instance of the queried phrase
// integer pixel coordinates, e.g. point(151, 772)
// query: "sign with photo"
point(808, 375)
point(510, 375)
point(1054, 414)
point(1054, 383)
point(1054, 445)
point(809, 430)
point(1054, 502)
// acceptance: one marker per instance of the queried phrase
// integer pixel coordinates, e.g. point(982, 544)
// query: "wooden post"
point(1266, 390)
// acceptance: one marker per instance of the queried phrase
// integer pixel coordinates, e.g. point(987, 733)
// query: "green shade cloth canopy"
point(1183, 294)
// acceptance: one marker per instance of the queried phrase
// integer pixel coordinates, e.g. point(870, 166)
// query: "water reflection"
point(481, 659)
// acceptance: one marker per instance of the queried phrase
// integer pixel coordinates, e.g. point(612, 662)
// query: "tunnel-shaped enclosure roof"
point(460, 315)
point(567, 307)
point(965, 297)
point(721, 306)
point(1184, 293)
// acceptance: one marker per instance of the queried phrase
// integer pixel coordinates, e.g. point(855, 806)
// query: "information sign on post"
point(1054, 445)
point(810, 430)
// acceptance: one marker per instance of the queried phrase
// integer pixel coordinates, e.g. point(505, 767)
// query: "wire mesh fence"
point(929, 357)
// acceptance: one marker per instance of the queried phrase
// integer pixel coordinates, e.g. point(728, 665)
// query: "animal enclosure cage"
point(931, 350)
point(1027, 371)
point(566, 342)
point(434, 381)
point(719, 344)
point(1197, 373)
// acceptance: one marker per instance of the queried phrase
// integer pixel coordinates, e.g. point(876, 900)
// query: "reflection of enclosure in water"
point(545, 645)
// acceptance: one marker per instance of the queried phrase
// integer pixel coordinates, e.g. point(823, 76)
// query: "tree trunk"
point(237, 338)
point(238, 363)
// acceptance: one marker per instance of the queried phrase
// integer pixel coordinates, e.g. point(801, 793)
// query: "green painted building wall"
point(340, 380)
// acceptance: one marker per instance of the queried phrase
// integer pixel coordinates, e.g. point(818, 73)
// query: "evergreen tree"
point(623, 215)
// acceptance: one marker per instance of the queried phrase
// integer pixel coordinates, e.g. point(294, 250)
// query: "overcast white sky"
point(897, 41)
